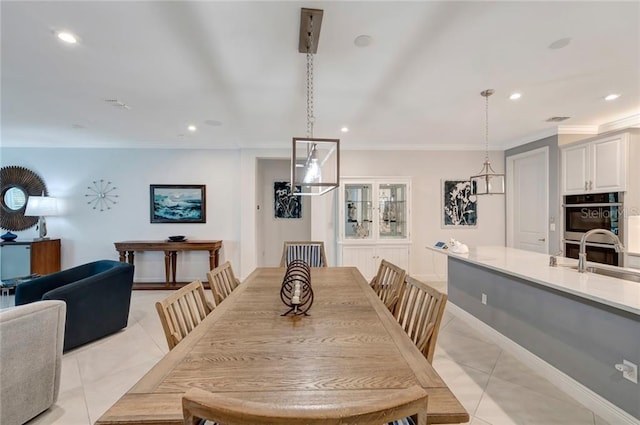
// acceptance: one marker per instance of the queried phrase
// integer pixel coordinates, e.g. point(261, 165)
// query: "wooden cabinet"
point(374, 223)
point(20, 259)
point(599, 165)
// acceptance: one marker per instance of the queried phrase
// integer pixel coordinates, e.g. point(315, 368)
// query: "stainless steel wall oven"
point(594, 211)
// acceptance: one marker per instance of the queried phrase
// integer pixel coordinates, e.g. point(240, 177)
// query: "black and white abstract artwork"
point(458, 209)
point(286, 204)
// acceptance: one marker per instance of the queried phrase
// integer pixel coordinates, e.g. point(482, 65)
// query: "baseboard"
point(594, 402)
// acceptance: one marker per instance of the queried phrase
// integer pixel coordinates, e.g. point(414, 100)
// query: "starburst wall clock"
point(101, 195)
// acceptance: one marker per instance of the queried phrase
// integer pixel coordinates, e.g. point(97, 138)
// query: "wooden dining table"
point(350, 347)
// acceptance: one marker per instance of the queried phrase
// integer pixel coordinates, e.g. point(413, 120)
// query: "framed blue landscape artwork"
point(178, 203)
point(285, 203)
point(458, 207)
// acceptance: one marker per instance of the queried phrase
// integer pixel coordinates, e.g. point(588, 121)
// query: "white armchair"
point(31, 340)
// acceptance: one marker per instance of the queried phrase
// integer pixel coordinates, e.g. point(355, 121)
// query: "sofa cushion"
point(31, 341)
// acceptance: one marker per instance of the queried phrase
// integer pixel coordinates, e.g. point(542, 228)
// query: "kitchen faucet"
point(582, 256)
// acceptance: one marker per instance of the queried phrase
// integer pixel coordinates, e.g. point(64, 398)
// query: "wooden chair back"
point(419, 311)
point(182, 311)
point(387, 283)
point(311, 253)
point(198, 404)
point(222, 281)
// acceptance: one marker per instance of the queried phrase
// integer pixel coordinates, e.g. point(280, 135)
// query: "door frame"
point(510, 160)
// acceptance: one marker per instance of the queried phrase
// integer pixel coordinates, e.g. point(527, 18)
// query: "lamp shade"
point(488, 182)
point(41, 206)
point(315, 165)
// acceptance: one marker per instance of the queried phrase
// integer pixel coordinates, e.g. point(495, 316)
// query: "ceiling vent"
point(117, 103)
point(557, 119)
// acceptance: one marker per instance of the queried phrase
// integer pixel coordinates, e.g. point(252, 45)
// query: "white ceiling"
point(417, 86)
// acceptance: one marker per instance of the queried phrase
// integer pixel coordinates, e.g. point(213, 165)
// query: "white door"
point(528, 200)
point(575, 169)
point(396, 254)
point(362, 257)
point(608, 165)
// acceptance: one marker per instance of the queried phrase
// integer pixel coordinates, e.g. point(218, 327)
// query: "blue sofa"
point(98, 296)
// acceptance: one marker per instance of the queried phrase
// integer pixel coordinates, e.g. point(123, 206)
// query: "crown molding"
point(578, 129)
point(530, 138)
point(632, 121)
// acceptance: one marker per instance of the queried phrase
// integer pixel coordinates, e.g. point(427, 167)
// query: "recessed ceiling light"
point(612, 96)
point(559, 44)
point(67, 37)
point(362, 40)
point(515, 96)
point(345, 129)
point(192, 128)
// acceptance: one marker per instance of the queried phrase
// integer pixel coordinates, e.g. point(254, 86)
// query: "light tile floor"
point(494, 387)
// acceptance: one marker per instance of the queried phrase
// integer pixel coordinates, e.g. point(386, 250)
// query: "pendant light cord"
point(486, 128)
point(310, 117)
point(487, 164)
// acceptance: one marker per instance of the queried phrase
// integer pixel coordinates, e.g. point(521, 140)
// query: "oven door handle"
point(603, 204)
point(596, 244)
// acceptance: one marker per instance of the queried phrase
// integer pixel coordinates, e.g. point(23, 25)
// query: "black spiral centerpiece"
point(296, 292)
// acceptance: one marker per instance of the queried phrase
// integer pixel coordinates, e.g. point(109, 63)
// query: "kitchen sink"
point(618, 274)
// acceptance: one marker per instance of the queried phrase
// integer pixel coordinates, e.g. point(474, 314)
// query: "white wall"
point(273, 232)
point(231, 178)
point(427, 169)
point(89, 234)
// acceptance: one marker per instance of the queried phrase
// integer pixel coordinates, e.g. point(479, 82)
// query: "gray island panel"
point(582, 338)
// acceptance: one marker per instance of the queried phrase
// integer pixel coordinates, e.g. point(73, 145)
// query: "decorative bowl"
point(9, 237)
point(179, 238)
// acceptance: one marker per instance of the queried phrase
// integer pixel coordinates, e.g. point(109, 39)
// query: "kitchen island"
point(581, 324)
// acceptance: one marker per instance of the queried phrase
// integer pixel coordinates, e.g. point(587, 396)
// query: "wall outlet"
point(484, 300)
point(629, 371)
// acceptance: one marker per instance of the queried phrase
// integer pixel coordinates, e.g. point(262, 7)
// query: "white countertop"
point(534, 267)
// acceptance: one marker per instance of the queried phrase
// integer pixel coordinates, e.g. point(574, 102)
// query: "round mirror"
point(15, 198)
point(16, 185)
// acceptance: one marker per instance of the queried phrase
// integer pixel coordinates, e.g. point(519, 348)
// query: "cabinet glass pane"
point(392, 211)
point(358, 213)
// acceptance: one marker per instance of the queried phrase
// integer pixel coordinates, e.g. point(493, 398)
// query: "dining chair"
point(387, 283)
point(311, 253)
point(182, 311)
point(202, 407)
point(419, 311)
point(222, 281)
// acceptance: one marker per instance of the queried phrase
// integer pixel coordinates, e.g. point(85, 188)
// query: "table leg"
point(167, 266)
point(130, 257)
point(123, 256)
point(213, 259)
point(174, 257)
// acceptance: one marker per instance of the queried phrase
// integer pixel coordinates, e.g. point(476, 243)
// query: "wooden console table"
point(170, 249)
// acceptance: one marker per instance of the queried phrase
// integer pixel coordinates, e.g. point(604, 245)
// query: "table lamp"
point(41, 206)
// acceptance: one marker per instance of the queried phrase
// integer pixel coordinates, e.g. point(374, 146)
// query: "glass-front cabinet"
point(358, 211)
point(392, 211)
point(374, 222)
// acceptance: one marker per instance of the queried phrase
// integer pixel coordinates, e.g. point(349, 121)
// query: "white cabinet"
point(633, 261)
point(596, 166)
point(374, 223)
point(367, 257)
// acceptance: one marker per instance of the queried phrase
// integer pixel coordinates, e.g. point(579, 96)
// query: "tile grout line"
point(84, 393)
